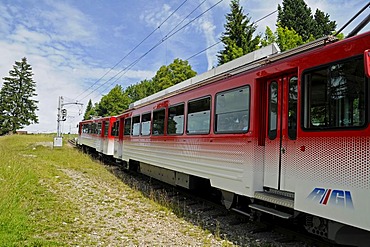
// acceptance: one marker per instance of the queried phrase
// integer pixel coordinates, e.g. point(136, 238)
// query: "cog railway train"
point(283, 133)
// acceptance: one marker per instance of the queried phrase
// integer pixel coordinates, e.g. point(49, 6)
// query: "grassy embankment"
point(29, 210)
point(48, 197)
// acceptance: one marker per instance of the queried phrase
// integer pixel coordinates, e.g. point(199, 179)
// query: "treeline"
point(295, 25)
point(119, 99)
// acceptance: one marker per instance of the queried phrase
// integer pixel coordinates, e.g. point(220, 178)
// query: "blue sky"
point(72, 44)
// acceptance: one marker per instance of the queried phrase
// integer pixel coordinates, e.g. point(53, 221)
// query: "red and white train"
point(285, 133)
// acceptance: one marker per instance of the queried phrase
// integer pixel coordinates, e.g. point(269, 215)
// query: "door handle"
point(283, 150)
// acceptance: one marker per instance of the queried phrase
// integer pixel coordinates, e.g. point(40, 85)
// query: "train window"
point(145, 124)
point(232, 111)
point(273, 110)
point(127, 127)
point(158, 122)
point(335, 96)
point(136, 126)
point(175, 124)
point(85, 128)
point(106, 128)
point(98, 129)
point(115, 128)
point(292, 108)
point(199, 116)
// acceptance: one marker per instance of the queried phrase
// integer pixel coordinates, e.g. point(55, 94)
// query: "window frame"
point(125, 133)
point(133, 127)
point(248, 110)
point(183, 120)
point(305, 98)
point(164, 121)
point(141, 123)
point(106, 128)
point(272, 133)
point(210, 116)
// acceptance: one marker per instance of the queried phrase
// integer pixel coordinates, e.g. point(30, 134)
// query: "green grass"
point(32, 210)
point(30, 213)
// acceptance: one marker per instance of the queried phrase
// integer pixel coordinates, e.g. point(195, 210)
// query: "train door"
point(281, 131)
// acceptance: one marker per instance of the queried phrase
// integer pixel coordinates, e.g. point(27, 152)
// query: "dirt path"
point(112, 214)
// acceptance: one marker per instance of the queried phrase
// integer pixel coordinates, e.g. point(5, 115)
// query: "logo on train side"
point(338, 198)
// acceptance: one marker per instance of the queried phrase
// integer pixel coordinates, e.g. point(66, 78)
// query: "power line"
point(169, 35)
point(132, 50)
point(209, 47)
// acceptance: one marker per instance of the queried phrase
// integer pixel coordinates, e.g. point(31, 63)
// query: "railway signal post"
point(61, 116)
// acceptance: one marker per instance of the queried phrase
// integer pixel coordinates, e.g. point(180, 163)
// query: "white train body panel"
point(232, 166)
point(333, 179)
point(87, 140)
point(107, 146)
point(117, 149)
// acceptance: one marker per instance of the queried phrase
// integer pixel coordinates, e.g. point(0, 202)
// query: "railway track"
point(204, 211)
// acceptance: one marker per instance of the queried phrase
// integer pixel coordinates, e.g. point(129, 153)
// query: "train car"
point(286, 134)
point(86, 134)
point(98, 135)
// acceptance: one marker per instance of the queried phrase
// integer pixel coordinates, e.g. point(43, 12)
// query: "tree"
point(288, 38)
point(238, 36)
point(114, 103)
point(296, 15)
point(118, 100)
point(268, 38)
point(17, 107)
point(141, 90)
point(167, 76)
point(323, 25)
point(89, 110)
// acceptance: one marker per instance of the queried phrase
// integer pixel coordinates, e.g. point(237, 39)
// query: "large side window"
point(145, 124)
point(199, 116)
point(136, 126)
point(158, 122)
point(127, 127)
point(232, 111)
point(175, 124)
point(335, 96)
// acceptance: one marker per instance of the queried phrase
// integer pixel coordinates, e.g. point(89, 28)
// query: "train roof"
point(247, 62)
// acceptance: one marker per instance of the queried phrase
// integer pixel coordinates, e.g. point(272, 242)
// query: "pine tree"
point(89, 110)
point(323, 25)
point(238, 36)
point(17, 108)
point(296, 15)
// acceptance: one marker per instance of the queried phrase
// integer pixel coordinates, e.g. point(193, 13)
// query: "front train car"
point(286, 134)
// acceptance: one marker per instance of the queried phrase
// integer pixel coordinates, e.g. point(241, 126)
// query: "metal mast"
point(62, 116)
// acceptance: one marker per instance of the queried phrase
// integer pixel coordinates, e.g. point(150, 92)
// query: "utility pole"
point(61, 116)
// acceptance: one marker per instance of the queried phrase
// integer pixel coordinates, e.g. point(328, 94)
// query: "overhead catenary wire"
point(218, 42)
point(170, 34)
point(131, 51)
